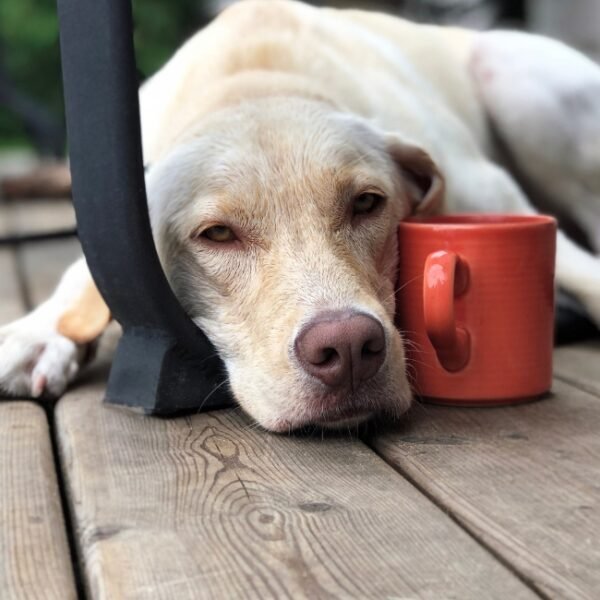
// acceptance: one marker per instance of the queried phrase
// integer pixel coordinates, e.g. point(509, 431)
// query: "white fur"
point(257, 118)
point(35, 359)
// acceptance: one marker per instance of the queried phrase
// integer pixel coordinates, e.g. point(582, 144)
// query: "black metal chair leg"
point(164, 363)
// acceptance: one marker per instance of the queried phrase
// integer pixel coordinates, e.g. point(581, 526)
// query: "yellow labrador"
point(284, 144)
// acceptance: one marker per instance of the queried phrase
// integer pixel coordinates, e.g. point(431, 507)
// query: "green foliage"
point(160, 26)
point(29, 51)
point(29, 47)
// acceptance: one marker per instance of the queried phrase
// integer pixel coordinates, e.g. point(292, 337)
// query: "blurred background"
point(30, 83)
point(37, 229)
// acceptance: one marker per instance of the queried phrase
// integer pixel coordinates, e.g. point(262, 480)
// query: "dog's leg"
point(487, 187)
point(42, 352)
point(544, 101)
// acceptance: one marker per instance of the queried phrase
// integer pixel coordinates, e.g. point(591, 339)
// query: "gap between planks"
point(418, 482)
point(523, 480)
point(35, 561)
point(208, 506)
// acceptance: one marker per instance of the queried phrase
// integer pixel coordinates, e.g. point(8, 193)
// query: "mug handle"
point(445, 277)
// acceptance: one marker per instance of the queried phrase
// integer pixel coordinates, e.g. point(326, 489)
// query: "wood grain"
point(34, 555)
point(525, 480)
point(209, 506)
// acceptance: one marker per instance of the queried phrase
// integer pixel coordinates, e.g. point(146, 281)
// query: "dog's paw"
point(36, 362)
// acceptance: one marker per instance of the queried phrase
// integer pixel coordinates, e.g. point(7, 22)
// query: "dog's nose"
point(341, 348)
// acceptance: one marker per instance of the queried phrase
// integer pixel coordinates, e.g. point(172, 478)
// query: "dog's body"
point(284, 144)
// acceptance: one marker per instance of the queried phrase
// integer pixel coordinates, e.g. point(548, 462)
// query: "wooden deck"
point(99, 502)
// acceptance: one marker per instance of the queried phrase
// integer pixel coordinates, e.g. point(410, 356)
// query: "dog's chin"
point(335, 416)
point(344, 422)
point(331, 422)
point(304, 404)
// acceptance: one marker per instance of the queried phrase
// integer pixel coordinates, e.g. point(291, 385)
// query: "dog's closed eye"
point(366, 203)
point(220, 234)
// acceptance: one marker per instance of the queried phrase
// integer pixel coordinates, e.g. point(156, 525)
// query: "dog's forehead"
point(297, 160)
point(293, 155)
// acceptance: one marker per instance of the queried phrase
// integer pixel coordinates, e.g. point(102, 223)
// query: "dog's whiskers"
point(400, 288)
point(206, 398)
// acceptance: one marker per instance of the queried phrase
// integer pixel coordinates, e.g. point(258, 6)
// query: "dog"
point(284, 143)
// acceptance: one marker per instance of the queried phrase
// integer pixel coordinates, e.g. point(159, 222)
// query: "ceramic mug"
point(475, 304)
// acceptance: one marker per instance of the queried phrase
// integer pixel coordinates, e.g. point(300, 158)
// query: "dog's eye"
point(366, 203)
point(219, 233)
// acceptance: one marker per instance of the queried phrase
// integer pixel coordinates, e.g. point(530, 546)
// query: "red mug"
point(475, 304)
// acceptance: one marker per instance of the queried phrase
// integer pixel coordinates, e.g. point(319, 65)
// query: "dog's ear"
point(423, 180)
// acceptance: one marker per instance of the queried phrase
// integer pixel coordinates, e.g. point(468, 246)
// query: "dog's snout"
point(341, 348)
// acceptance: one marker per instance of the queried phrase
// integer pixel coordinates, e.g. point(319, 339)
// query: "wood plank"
point(34, 553)
point(525, 480)
point(579, 364)
point(209, 506)
point(35, 560)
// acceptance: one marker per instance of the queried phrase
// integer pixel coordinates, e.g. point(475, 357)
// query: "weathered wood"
point(525, 480)
point(211, 507)
point(34, 553)
point(579, 364)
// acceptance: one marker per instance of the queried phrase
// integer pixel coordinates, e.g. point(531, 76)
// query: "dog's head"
point(276, 225)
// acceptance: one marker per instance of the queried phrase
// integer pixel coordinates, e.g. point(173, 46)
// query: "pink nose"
point(341, 348)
